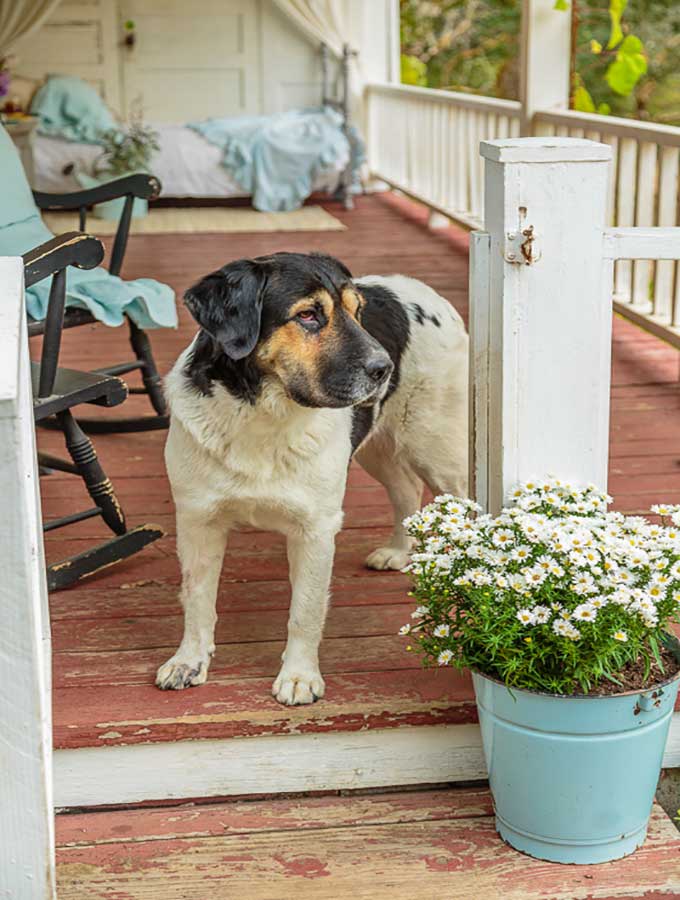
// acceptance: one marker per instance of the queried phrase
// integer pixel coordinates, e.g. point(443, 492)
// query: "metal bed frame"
point(342, 105)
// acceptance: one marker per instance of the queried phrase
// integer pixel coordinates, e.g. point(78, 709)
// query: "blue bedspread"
point(275, 158)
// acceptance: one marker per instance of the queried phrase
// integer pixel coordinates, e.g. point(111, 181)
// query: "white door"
point(192, 60)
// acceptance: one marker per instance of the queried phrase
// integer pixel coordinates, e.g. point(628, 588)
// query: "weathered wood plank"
point(285, 814)
point(110, 715)
point(254, 659)
point(103, 635)
point(455, 858)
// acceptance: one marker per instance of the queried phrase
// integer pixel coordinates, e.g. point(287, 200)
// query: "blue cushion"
point(16, 203)
point(149, 303)
point(70, 108)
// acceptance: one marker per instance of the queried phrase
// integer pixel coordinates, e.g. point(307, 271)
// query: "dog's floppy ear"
point(228, 305)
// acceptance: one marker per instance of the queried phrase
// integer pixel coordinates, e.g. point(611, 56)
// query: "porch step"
point(425, 844)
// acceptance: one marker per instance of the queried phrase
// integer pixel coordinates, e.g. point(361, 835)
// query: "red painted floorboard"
point(111, 631)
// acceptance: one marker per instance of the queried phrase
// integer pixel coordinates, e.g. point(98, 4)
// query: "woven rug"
point(214, 219)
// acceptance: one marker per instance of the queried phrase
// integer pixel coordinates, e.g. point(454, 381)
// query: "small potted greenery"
point(562, 611)
point(126, 150)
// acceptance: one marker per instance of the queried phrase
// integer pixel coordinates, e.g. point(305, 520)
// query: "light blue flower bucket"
point(573, 777)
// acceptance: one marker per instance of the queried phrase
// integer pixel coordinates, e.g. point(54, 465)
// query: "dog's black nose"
point(378, 368)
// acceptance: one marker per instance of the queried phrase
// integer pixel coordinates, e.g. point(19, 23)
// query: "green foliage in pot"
point(554, 594)
point(127, 149)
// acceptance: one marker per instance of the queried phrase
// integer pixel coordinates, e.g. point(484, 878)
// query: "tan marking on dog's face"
point(296, 354)
point(352, 302)
point(321, 299)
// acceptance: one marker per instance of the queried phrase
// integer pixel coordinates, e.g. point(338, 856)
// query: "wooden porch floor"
point(111, 632)
point(397, 846)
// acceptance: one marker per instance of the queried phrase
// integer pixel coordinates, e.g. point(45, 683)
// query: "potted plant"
point(125, 151)
point(562, 611)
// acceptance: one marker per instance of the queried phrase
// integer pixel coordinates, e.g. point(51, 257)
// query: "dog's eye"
point(307, 315)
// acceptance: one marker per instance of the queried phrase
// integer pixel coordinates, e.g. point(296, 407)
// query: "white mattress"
point(187, 165)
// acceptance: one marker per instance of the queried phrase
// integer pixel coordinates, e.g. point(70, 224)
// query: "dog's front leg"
point(200, 547)
point(310, 559)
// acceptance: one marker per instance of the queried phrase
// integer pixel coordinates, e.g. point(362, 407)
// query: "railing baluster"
point(625, 212)
point(645, 190)
point(667, 207)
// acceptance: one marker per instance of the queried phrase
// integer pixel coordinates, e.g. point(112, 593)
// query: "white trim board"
point(97, 776)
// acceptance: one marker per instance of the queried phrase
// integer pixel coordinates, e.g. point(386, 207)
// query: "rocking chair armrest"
point(145, 187)
point(71, 249)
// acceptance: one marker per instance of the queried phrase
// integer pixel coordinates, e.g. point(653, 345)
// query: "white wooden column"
point(26, 815)
point(544, 59)
point(541, 316)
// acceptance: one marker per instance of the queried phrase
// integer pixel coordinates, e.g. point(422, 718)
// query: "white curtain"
point(20, 17)
point(323, 21)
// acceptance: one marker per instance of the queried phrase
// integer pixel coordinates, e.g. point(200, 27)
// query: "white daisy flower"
point(441, 631)
point(503, 537)
point(526, 617)
point(534, 576)
point(584, 612)
point(620, 636)
point(405, 629)
point(445, 657)
point(541, 614)
point(517, 583)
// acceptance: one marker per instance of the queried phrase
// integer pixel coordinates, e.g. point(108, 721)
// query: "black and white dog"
point(297, 367)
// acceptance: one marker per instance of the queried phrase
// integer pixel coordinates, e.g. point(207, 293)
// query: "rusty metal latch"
point(521, 247)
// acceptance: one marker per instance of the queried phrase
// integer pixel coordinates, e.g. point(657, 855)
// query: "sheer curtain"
point(322, 20)
point(19, 17)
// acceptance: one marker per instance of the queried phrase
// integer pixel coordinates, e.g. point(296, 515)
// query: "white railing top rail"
point(11, 319)
point(668, 135)
point(453, 98)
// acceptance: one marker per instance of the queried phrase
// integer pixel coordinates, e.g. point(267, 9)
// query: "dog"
point(298, 367)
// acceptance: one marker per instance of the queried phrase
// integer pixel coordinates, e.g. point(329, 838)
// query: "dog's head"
point(295, 317)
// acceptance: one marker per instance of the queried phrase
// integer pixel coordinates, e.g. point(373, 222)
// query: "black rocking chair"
point(55, 392)
point(145, 187)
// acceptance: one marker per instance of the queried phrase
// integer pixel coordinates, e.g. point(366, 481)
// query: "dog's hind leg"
point(378, 456)
point(200, 547)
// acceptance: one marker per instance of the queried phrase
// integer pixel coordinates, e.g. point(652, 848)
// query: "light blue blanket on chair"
point(275, 158)
point(149, 303)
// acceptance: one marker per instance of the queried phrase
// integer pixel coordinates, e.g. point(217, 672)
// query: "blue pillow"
point(70, 108)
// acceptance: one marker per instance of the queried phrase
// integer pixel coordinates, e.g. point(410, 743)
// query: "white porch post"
point(544, 59)
point(541, 316)
point(26, 814)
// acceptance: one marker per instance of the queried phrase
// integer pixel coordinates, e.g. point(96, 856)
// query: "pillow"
point(69, 108)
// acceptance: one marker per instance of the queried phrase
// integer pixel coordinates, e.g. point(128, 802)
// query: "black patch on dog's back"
point(422, 317)
point(385, 319)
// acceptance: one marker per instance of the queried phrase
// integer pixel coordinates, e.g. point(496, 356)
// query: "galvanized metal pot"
point(573, 777)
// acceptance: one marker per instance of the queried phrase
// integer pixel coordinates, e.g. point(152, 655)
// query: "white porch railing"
point(643, 191)
point(425, 143)
point(26, 819)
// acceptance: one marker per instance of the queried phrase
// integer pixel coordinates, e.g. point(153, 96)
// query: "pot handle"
point(648, 701)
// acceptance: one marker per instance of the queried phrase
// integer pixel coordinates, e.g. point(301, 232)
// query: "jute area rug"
point(186, 219)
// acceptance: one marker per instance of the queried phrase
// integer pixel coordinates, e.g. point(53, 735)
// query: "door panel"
point(189, 65)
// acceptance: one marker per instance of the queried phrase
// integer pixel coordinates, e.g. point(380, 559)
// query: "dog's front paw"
point(179, 673)
point(387, 558)
point(296, 685)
